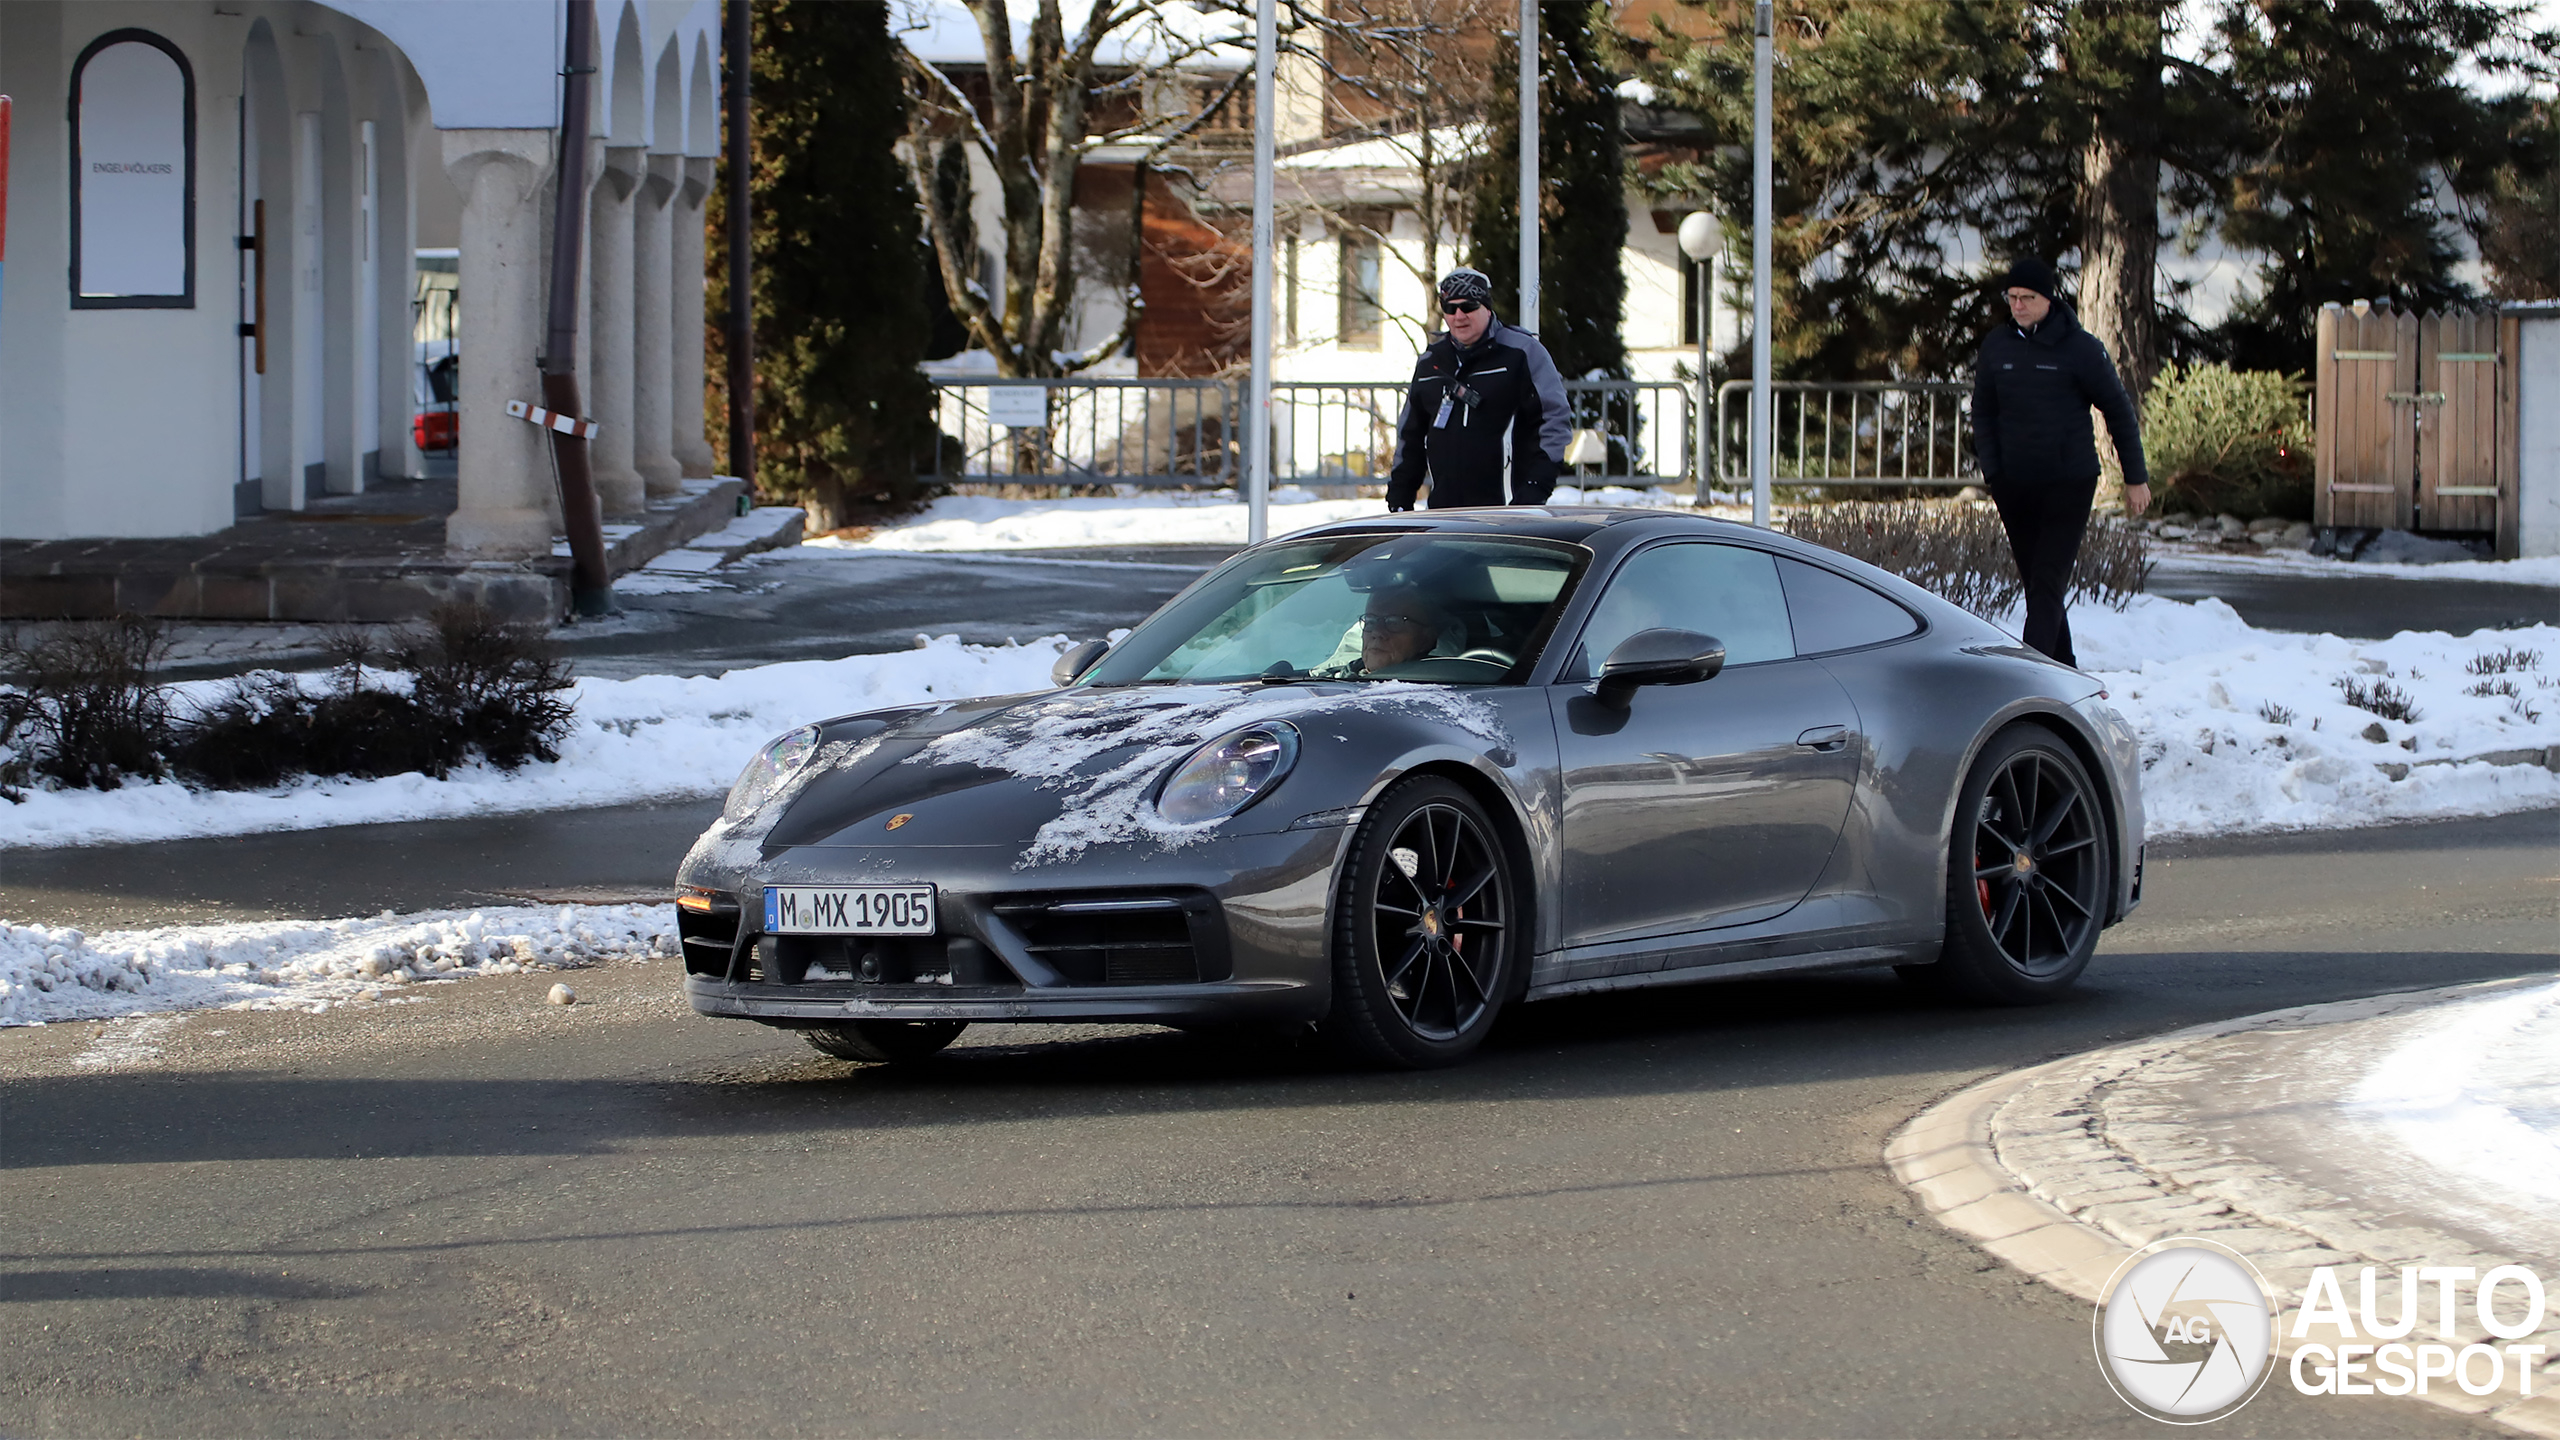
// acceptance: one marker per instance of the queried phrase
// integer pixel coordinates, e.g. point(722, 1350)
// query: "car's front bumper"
point(1263, 956)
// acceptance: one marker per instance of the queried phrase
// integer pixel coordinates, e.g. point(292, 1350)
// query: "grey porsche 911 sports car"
point(1390, 776)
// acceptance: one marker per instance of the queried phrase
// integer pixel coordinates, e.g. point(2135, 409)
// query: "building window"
point(1360, 307)
point(1289, 289)
point(133, 175)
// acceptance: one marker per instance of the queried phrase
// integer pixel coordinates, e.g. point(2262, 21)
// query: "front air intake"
point(1115, 938)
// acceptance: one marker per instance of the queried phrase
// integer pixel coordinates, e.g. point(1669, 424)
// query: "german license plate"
point(848, 909)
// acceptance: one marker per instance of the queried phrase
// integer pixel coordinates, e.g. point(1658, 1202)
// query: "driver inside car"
point(1396, 627)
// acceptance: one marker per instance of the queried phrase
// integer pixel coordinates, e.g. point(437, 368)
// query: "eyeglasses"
point(2021, 297)
point(1407, 622)
point(1459, 307)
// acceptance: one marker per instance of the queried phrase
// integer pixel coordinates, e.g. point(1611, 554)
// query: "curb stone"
point(2063, 1170)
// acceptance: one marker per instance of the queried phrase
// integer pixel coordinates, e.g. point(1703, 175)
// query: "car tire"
point(2030, 871)
point(884, 1042)
point(1427, 930)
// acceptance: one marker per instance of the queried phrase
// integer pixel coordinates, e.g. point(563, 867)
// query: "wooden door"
point(2366, 450)
point(2459, 414)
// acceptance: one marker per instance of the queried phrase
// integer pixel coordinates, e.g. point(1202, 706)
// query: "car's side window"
point(1722, 590)
point(1832, 612)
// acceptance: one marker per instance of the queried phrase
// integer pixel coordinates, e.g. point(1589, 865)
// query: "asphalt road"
point(2361, 607)
point(1660, 1213)
point(816, 604)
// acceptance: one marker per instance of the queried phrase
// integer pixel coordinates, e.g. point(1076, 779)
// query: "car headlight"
point(773, 768)
point(1229, 773)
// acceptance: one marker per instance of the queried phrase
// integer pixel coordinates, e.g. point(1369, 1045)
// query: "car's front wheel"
point(2029, 870)
point(884, 1042)
point(1426, 931)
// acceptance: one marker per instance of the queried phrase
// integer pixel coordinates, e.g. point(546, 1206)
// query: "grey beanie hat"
point(1467, 284)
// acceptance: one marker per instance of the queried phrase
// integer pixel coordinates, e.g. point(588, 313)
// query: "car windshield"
point(1443, 609)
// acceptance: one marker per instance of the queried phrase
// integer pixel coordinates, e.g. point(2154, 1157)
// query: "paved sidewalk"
point(2065, 1169)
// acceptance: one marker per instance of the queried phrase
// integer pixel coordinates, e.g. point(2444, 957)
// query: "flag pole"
point(1529, 195)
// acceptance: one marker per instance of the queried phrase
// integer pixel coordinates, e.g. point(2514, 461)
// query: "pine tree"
point(1582, 286)
point(2359, 125)
point(840, 266)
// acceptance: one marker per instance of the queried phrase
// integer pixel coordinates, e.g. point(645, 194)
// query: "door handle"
point(1825, 737)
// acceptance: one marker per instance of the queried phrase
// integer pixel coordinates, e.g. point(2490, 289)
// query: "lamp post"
point(1764, 32)
point(1702, 240)
point(1257, 493)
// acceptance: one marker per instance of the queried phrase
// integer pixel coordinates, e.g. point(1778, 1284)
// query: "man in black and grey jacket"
point(2032, 391)
point(1481, 389)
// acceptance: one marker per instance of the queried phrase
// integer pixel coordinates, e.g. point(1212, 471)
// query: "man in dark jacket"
point(2032, 390)
point(1480, 389)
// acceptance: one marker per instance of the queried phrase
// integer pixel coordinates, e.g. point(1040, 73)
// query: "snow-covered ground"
point(49, 973)
point(2247, 729)
point(2243, 729)
point(1166, 517)
point(654, 737)
point(2474, 1094)
point(2542, 570)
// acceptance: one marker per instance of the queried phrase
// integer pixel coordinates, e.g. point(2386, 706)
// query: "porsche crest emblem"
point(897, 820)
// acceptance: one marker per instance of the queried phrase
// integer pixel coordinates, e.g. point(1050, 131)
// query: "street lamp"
point(1702, 240)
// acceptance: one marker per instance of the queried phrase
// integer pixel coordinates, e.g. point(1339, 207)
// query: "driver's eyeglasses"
point(1386, 621)
point(1459, 307)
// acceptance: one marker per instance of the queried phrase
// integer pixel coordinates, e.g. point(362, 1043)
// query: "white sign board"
point(133, 174)
point(1024, 407)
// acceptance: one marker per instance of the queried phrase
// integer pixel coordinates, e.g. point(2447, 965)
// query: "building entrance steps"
point(379, 556)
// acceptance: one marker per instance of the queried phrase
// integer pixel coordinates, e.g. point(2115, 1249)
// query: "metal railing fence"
point(1174, 434)
point(1165, 434)
point(1851, 433)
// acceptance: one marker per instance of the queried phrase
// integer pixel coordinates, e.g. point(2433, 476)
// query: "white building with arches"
point(214, 209)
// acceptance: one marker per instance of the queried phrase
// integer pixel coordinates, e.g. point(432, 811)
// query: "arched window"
point(133, 175)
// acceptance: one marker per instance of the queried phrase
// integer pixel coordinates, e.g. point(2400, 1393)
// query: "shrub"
point(82, 709)
point(2228, 441)
point(2381, 697)
point(1961, 553)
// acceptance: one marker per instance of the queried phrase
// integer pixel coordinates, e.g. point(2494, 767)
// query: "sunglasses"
point(1459, 307)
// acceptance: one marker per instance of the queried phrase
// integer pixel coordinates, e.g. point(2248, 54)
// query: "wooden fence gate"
point(2416, 422)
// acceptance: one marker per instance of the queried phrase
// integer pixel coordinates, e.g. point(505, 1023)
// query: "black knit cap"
point(2029, 273)
point(1465, 284)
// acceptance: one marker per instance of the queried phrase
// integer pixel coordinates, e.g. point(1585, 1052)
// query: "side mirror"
point(1080, 657)
point(1658, 657)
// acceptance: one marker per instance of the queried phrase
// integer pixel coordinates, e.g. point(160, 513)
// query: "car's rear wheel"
point(1426, 934)
point(884, 1042)
point(2028, 874)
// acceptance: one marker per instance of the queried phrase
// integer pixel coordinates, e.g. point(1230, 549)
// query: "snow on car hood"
point(1106, 748)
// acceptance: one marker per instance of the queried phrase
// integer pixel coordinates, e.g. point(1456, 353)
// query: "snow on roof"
point(943, 32)
point(1389, 152)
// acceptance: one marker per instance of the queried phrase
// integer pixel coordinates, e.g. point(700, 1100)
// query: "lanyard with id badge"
point(1454, 395)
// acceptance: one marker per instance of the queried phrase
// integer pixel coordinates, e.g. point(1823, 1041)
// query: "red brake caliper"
point(1983, 888)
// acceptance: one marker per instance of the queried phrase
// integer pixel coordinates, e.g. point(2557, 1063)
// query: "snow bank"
point(2243, 729)
point(2246, 729)
point(49, 974)
point(653, 737)
point(977, 522)
point(2540, 570)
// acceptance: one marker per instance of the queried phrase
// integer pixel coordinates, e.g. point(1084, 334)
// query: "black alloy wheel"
point(1425, 941)
point(2029, 871)
point(884, 1042)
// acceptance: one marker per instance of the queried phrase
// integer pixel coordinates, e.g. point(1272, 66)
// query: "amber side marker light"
point(695, 899)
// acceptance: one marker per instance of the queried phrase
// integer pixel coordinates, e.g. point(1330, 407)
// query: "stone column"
point(693, 453)
point(506, 502)
point(618, 483)
point(653, 428)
